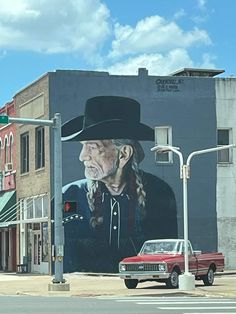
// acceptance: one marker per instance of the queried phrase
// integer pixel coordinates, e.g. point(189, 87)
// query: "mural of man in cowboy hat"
point(119, 205)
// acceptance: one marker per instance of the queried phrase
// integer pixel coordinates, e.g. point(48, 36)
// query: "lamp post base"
point(186, 282)
point(58, 287)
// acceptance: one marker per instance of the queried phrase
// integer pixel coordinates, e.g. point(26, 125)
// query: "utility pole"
point(58, 227)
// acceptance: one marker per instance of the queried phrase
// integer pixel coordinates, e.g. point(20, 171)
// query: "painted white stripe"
point(165, 298)
point(168, 300)
point(197, 308)
point(186, 302)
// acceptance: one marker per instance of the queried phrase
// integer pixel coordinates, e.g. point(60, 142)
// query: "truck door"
point(192, 264)
point(192, 260)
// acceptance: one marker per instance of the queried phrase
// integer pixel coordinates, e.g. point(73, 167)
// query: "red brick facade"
point(8, 150)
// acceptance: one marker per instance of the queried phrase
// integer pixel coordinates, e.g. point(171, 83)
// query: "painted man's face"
point(100, 159)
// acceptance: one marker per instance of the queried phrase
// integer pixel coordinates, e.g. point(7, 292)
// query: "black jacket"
point(89, 249)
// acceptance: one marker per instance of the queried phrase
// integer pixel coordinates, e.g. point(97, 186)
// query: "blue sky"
point(118, 36)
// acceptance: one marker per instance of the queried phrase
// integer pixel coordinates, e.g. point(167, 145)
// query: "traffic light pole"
point(58, 228)
point(58, 283)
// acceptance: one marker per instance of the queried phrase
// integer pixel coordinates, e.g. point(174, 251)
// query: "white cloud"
point(208, 61)
point(179, 14)
point(154, 35)
point(157, 64)
point(53, 26)
point(199, 19)
point(3, 53)
point(84, 26)
point(202, 4)
point(203, 13)
point(16, 10)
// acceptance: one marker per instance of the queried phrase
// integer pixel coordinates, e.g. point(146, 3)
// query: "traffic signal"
point(70, 206)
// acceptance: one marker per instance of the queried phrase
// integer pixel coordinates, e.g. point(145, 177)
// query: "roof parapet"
point(197, 72)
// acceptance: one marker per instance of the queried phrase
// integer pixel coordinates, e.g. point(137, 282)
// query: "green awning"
point(7, 207)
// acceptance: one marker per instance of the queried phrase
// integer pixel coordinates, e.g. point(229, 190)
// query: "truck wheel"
point(208, 279)
point(131, 283)
point(173, 281)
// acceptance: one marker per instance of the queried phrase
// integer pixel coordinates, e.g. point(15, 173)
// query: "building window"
point(224, 138)
point(34, 207)
point(24, 152)
point(163, 136)
point(30, 208)
point(39, 148)
point(1, 155)
point(10, 148)
point(5, 150)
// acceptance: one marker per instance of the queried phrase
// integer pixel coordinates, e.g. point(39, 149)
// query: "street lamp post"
point(186, 280)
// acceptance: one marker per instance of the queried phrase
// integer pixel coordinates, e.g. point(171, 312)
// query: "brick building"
point(8, 206)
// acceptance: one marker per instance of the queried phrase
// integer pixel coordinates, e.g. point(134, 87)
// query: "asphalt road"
point(116, 305)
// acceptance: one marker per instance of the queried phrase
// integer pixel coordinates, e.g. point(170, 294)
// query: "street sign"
point(4, 119)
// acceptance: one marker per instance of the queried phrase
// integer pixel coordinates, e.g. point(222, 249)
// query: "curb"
point(226, 273)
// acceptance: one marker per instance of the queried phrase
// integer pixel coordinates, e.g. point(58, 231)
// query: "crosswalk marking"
point(197, 308)
point(132, 298)
point(158, 299)
point(184, 302)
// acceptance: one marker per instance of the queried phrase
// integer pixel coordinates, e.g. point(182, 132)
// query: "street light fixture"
point(186, 280)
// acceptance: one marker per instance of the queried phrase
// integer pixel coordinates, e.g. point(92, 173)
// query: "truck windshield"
point(168, 247)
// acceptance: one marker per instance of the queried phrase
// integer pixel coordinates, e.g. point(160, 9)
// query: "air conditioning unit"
point(8, 167)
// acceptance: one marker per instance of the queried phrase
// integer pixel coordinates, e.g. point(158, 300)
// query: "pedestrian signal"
point(70, 206)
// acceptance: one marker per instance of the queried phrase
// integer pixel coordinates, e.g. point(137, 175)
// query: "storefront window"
point(45, 206)
point(44, 242)
point(38, 207)
point(29, 207)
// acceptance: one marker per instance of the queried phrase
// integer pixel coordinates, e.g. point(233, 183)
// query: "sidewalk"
point(89, 285)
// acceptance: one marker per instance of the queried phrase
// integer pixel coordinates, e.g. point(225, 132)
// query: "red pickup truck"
point(163, 261)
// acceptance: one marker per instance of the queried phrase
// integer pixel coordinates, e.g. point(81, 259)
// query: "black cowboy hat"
point(108, 117)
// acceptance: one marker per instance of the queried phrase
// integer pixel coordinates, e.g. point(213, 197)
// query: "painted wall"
point(185, 103)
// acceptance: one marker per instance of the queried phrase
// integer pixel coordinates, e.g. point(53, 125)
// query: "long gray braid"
point(94, 187)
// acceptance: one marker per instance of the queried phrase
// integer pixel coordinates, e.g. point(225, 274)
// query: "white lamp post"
point(186, 280)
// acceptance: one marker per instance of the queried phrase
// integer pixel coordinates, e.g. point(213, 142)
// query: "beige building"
point(33, 178)
point(226, 170)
